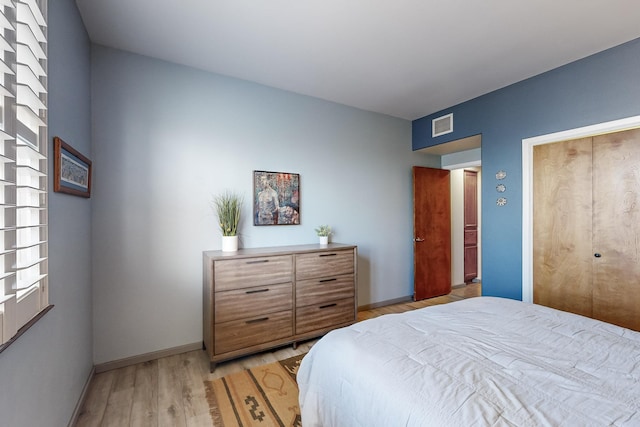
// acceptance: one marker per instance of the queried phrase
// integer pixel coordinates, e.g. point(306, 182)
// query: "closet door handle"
point(597, 255)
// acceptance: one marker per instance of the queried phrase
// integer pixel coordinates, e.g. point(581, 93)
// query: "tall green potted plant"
point(228, 206)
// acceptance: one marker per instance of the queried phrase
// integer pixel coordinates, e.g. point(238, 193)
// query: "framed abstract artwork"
point(72, 170)
point(276, 198)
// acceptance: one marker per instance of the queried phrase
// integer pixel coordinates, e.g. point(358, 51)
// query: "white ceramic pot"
point(324, 240)
point(229, 243)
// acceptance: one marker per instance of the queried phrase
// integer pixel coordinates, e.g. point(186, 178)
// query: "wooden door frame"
point(527, 185)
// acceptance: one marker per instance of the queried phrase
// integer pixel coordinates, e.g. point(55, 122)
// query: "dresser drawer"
point(319, 264)
point(256, 301)
point(250, 272)
point(238, 334)
point(326, 289)
point(321, 316)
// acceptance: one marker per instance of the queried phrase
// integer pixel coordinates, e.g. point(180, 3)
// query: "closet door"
point(562, 226)
point(616, 226)
point(470, 225)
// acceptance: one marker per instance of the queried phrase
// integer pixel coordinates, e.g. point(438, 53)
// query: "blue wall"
point(596, 89)
point(43, 373)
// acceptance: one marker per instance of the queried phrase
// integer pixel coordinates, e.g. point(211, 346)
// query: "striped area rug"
point(263, 396)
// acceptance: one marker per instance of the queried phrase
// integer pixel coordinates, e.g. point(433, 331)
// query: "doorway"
point(458, 225)
point(457, 156)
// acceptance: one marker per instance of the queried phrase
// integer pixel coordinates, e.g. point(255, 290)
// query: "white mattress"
point(478, 362)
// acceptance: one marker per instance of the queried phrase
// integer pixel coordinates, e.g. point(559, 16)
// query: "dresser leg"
point(212, 366)
point(295, 345)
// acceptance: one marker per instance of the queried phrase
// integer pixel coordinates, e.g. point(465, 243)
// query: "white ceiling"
point(404, 58)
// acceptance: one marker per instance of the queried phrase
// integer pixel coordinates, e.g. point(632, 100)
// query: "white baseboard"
point(134, 360)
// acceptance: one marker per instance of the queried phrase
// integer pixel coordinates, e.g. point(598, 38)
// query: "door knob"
point(417, 239)
point(597, 255)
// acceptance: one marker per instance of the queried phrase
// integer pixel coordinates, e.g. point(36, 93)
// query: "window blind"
point(23, 165)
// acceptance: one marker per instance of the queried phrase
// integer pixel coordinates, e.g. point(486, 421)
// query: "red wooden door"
point(432, 232)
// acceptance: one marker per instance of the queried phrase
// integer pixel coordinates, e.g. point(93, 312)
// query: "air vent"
point(442, 125)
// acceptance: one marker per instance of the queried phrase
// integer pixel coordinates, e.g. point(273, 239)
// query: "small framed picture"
point(276, 198)
point(72, 170)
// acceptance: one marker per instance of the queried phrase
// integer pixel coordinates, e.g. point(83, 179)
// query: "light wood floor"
point(170, 391)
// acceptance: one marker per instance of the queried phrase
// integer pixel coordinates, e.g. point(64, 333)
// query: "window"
point(24, 295)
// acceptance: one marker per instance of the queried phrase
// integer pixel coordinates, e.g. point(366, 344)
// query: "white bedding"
point(478, 362)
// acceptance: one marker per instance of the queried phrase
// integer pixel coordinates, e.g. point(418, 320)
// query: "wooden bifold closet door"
point(586, 227)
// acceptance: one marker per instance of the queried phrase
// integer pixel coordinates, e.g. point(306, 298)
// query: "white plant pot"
point(229, 243)
point(324, 240)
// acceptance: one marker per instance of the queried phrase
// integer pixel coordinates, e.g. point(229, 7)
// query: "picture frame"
point(276, 198)
point(72, 170)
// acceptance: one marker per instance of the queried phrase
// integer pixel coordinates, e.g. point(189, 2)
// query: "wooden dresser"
point(259, 298)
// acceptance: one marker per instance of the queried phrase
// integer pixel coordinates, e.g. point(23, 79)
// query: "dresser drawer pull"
point(328, 305)
point(261, 261)
point(257, 291)
point(328, 280)
point(328, 254)
point(262, 319)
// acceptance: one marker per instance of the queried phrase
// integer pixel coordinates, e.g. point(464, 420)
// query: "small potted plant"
point(228, 206)
point(323, 232)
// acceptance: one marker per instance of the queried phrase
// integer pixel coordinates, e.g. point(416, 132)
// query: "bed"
point(483, 361)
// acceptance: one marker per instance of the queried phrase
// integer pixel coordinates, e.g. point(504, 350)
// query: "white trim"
point(27, 306)
point(9, 328)
point(527, 185)
point(474, 163)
